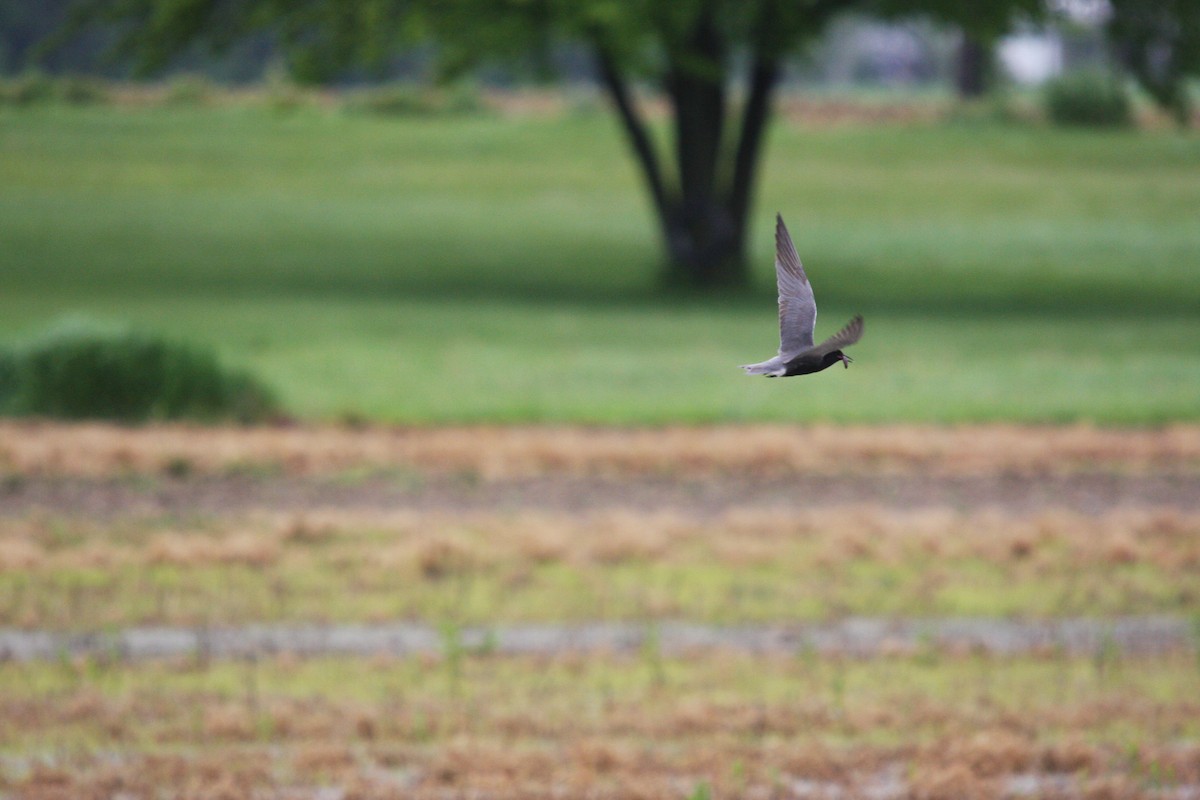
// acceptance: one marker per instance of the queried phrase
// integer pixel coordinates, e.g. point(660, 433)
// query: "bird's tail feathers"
point(763, 368)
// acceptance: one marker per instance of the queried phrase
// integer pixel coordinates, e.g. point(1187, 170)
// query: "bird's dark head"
point(834, 357)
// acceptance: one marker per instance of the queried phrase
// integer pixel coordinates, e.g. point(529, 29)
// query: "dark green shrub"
point(1093, 99)
point(83, 371)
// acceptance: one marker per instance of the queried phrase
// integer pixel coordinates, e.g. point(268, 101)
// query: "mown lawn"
point(488, 268)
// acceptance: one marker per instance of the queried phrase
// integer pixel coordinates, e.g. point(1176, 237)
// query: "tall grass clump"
point(1088, 98)
point(81, 370)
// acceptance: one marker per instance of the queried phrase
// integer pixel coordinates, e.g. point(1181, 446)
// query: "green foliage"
point(80, 370)
point(1159, 41)
point(984, 21)
point(1088, 98)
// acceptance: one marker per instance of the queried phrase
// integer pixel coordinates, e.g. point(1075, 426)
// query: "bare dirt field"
point(714, 560)
point(504, 452)
point(90, 469)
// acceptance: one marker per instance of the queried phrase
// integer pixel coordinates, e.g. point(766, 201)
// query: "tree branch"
point(763, 79)
point(643, 148)
point(769, 40)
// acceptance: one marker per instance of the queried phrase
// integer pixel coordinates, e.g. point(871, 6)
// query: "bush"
point(80, 370)
point(1094, 99)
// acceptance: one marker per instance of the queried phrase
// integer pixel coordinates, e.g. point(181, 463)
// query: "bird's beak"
point(846, 361)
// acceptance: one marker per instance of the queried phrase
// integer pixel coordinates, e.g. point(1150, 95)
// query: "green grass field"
point(488, 268)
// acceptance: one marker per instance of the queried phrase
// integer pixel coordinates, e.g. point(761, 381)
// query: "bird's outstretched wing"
point(797, 307)
point(843, 338)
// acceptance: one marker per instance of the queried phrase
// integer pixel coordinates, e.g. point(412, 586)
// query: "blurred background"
point(521, 211)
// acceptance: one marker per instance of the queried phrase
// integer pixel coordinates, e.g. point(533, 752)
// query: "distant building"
point(1031, 57)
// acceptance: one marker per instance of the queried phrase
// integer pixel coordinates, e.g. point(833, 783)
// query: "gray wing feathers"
point(797, 308)
point(843, 338)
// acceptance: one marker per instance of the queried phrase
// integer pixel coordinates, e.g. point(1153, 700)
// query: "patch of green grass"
point(835, 697)
point(794, 586)
point(505, 269)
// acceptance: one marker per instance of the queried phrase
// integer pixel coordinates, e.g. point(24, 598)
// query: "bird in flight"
point(797, 318)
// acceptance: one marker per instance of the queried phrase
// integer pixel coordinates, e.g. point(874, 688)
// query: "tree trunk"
point(702, 208)
point(702, 242)
point(763, 79)
point(971, 77)
point(703, 249)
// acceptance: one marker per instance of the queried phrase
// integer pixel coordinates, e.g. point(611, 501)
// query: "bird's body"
point(798, 318)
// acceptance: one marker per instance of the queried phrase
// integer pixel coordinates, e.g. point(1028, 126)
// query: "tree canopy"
point(1159, 41)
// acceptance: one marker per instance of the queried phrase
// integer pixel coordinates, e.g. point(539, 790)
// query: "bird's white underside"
point(774, 367)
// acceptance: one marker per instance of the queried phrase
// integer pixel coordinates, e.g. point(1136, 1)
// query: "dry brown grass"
point(201, 549)
point(747, 726)
point(434, 555)
point(228, 721)
point(929, 724)
point(20, 555)
point(741, 564)
point(497, 453)
point(799, 109)
point(440, 542)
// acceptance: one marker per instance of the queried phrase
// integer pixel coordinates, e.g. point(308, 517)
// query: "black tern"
point(798, 317)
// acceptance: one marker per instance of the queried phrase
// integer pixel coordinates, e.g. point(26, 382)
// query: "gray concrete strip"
point(858, 636)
